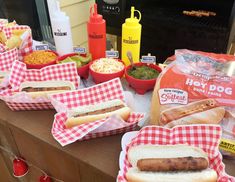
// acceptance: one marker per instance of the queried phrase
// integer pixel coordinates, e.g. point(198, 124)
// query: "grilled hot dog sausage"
point(172, 164)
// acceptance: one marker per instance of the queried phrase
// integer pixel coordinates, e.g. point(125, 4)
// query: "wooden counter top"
point(92, 160)
point(101, 154)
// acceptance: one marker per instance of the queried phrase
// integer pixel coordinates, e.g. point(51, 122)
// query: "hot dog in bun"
point(204, 111)
point(90, 113)
point(169, 163)
point(43, 88)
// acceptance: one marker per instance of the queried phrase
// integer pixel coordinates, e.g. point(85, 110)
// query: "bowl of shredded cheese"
point(40, 58)
point(105, 69)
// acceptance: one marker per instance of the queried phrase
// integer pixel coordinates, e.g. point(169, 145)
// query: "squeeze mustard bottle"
point(131, 36)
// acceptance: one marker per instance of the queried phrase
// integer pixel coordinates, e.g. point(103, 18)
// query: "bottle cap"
point(94, 16)
point(57, 13)
point(133, 20)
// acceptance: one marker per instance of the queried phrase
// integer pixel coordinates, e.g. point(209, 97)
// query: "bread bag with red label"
point(196, 88)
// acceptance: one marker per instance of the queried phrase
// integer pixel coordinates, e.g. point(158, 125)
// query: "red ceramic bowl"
point(141, 86)
point(103, 77)
point(39, 66)
point(83, 71)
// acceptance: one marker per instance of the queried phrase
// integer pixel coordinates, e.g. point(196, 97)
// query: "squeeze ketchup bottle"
point(96, 30)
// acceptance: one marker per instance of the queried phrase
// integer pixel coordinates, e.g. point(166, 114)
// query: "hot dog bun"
point(168, 153)
point(74, 119)
point(163, 151)
point(46, 84)
point(207, 175)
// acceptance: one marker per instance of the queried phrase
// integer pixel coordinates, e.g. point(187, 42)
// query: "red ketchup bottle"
point(96, 30)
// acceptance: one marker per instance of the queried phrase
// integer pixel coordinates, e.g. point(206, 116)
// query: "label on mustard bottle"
point(227, 145)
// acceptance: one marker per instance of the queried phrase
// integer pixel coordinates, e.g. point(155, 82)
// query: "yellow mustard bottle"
point(131, 36)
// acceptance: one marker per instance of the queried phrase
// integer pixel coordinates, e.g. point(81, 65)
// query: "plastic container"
point(39, 66)
point(61, 31)
point(83, 71)
point(96, 31)
point(103, 77)
point(131, 37)
point(141, 86)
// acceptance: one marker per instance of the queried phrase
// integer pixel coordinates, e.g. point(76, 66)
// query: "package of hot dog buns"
point(30, 88)
point(183, 153)
point(196, 88)
point(96, 111)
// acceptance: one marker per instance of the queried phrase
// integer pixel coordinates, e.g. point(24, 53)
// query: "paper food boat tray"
point(205, 137)
point(102, 92)
point(19, 74)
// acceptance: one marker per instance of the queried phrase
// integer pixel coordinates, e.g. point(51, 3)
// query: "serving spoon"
point(129, 56)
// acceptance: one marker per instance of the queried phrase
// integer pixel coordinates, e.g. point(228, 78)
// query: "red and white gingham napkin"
point(2, 48)
point(99, 93)
point(20, 73)
point(6, 61)
point(27, 44)
point(7, 58)
point(206, 137)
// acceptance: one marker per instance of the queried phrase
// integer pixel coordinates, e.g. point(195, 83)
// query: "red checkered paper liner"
point(27, 43)
point(2, 48)
point(4, 85)
point(19, 74)
point(99, 93)
point(7, 58)
point(206, 137)
point(6, 61)
point(109, 126)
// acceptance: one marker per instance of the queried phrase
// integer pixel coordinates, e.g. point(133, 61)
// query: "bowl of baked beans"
point(40, 58)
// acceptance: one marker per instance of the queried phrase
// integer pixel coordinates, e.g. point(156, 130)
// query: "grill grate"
point(217, 22)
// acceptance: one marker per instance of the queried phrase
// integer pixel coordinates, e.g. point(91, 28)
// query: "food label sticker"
point(42, 47)
point(148, 59)
point(227, 145)
point(112, 54)
point(79, 50)
point(173, 96)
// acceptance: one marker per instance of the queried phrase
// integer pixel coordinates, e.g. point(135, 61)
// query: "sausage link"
point(101, 111)
point(39, 89)
point(172, 164)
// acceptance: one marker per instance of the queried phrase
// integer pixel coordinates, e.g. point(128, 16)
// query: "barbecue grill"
point(166, 28)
